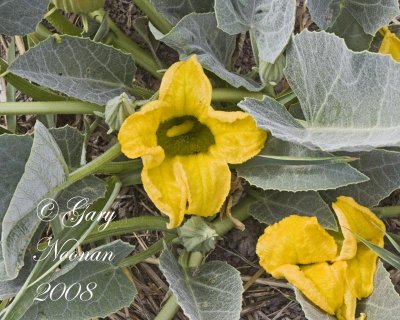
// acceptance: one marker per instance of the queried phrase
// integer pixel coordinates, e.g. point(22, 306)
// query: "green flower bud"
point(79, 6)
point(272, 73)
point(117, 110)
point(197, 235)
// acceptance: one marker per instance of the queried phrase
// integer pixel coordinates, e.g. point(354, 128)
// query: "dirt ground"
point(265, 298)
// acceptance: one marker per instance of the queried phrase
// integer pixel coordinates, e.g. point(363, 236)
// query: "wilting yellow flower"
point(390, 44)
point(333, 272)
point(186, 145)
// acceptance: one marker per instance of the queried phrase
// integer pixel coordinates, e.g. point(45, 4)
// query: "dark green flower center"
point(184, 136)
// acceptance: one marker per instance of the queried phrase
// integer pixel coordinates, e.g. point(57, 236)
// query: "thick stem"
point(62, 24)
point(233, 95)
point(154, 16)
point(49, 107)
point(169, 309)
point(121, 166)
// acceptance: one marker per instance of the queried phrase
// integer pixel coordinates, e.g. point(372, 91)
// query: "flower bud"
point(117, 110)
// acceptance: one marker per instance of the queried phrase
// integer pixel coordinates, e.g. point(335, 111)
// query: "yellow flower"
point(332, 272)
point(390, 44)
point(186, 145)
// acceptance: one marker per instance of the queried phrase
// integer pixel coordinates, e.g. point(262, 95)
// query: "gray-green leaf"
point(370, 14)
point(350, 105)
point(44, 171)
point(175, 10)
point(297, 176)
point(273, 206)
point(213, 291)
point(78, 67)
point(271, 23)
point(384, 302)
point(197, 33)
point(383, 169)
point(19, 17)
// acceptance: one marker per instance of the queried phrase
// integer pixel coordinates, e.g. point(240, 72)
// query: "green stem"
point(127, 226)
point(169, 309)
point(92, 166)
point(49, 107)
point(141, 56)
point(139, 91)
point(154, 16)
point(233, 95)
point(33, 91)
point(121, 166)
point(151, 251)
point(387, 212)
point(62, 24)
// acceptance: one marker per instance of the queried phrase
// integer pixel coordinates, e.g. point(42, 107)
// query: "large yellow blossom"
point(333, 272)
point(390, 44)
point(186, 145)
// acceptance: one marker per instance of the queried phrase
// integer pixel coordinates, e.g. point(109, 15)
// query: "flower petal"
point(237, 138)
point(166, 187)
point(322, 283)
point(354, 218)
point(137, 135)
point(208, 182)
point(294, 240)
point(390, 44)
point(186, 88)
point(361, 270)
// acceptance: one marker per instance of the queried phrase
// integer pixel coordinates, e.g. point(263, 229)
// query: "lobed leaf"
point(300, 175)
point(197, 33)
point(214, 291)
point(270, 23)
point(77, 67)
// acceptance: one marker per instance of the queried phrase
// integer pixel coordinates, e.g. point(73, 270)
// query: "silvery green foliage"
point(350, 102)
point(212, 291)
point(114, 290)
point(296, 175)
point(384, 300)
point(270, 23)
point(370, 14)
point(19, 17)
point(197, 33)
point(44, 171)
point(273, 206)
point(311, 311)
point(383, 169)
point(175, 10)
point(77, 67)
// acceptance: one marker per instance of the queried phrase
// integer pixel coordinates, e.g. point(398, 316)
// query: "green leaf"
point(370, 14)
point(213, 291)
point(113, 292)
point(197, 33)
point(270, 23)
point(45, 170)
point(384, 302)
point(70, 140)
point(351, 105)
point(77, 67)
point(273, 206)
point(300, 175)
point(348, 28)
point(19, 17)
point(383, 169)
point(175, 10)
point(311, 311)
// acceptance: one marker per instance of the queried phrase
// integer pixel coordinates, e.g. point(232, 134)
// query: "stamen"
point(180, 129)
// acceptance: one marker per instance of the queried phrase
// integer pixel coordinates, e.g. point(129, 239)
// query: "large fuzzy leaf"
point(273, 206)
point(197, 33)
point(350, 103)
point(370, 14)
point(383, 169)
point(301, 175)
point(270, 23)
point(175, 10)
point(78, 67)
point(19, 17)
point(213, 291)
